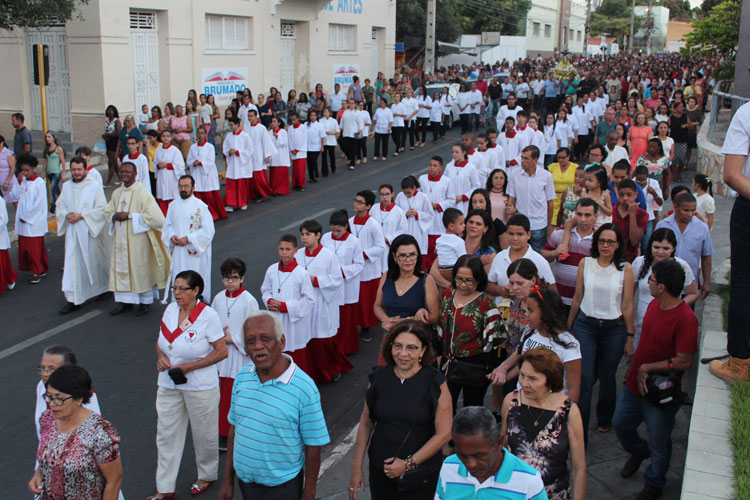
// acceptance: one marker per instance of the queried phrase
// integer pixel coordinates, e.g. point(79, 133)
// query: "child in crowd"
point(418, 210)
point(143, 118)
point(704, 192)
point(654, 199)
point(450, 245)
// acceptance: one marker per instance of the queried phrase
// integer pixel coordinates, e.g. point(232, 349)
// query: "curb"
point(709, 460)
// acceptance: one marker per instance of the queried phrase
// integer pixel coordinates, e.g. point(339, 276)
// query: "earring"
point(420, 359)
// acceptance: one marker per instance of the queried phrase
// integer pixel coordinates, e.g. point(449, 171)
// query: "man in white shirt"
point(352, 125)
point(615, 153)
point(531, 190)
point(476, 104)
point(337, 99)
point(242, 112)
point(537, 85)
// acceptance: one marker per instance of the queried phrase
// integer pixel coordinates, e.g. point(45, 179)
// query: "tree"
point(678, 9)
point(411, 19)
point(492, 15)
point(720, 29)
point(37, 13)
point(613, 18)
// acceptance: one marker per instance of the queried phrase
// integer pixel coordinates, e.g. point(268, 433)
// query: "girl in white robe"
point(439, 189)
point(418, 209)
point(391, 217)
point(464, 176)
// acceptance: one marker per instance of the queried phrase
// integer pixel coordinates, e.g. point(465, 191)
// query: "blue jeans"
point(647, 236)
point(494, 108)
point(54, 189)
point(738, 334)
point(538, 238)
point(602, 346)
point(631, 411)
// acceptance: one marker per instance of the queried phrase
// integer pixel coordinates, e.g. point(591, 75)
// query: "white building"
point(660, 16)
point(553, 26)
point(134, 52)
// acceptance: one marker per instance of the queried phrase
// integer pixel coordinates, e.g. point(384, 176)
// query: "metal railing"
point(723, 107)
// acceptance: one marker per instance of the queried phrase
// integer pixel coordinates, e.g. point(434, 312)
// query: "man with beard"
point(80, 218)
point(188, 233)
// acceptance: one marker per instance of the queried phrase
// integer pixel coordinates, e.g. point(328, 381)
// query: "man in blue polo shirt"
point(551, 91)
point(277, 425)
point(482, 469)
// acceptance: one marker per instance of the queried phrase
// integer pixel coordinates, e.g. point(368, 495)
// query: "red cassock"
point(431, 255)
point(237, 192)
point(163, 205)
point(225, 402)
point(279, 180)
point(32, 254)
point(7, 275)
point(301, 358)
point(348, 334)
point(326, 359)
point(259, 188)
point(214, 202)
point(368, 291)
point(299, 168)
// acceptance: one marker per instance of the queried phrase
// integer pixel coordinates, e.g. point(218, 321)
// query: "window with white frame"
point(142, 20)
point(547, 31)
point(536, 29)
point(579, 35)
point(227, 32)
point(342, 37)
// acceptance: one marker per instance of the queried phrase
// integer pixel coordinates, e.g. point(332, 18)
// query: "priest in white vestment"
point(80, 218)
point(188, 233)
point(136, 221)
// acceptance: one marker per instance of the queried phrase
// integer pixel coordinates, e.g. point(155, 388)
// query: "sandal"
point(197, 489)
point(604, 428)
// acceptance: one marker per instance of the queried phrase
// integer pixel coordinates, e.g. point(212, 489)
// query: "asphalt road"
point(119, 352)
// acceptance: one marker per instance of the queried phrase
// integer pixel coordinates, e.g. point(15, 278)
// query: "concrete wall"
point(741, 80)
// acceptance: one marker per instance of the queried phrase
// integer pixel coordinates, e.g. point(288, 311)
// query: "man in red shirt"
point(668, 341)
point(629, 217)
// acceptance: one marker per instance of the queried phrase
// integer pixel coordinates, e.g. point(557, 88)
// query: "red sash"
point(171, 336)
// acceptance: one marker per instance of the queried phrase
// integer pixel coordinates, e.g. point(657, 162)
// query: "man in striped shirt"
point(566, 267)
point(277, 425)
point(482, 469)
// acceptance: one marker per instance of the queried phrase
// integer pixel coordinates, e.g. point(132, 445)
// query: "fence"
point(723, 107)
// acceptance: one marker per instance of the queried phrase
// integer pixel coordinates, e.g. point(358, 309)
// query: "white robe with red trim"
point(349, 253)
point(465, 180)
point(141, 163)
point(442, 193)
point(419, 225)
point(166, 178)
point(205, 174)
point(238, 164)
point(295, 290)
point(262, 146)
point(392, 222)
point(324, 266)
point(232, 313)
point(371, 238)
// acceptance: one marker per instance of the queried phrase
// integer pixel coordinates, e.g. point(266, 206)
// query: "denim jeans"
point(647, 236)
point(54, 189)
point(538, 238)
point(602, 346)
point(631, 411)
point(494, 108)
point(738, 336)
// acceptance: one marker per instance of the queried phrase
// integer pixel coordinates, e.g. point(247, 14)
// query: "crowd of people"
point(532, 262)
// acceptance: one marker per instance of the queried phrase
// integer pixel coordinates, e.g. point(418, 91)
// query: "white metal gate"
point(144, 40)
point(58, 90)
point(375, 54)
point(288, 39)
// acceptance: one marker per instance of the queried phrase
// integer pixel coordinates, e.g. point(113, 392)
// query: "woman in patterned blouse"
point(79, 453)
point(471, 328)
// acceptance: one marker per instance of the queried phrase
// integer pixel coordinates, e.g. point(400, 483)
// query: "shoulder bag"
point(462, 372)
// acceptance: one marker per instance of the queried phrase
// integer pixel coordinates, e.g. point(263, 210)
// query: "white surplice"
point(512, 148)
point(370, 236)
point(88, 245)
point(440, 191)
point(293, 288)
point(298, 141)
point(238, 164)
point(4, 238)
point(205, 173)
point(31, 212)
point(349, 252)
point(91, 171)
point(324, 266)
point(141, 164)
point(494, 158)
point(190, 218)
point(392, 222)
point(262, 146)
point(280, 140)
point(166, 178)
point(232, 313)
point(419, 225)
point(465, 180)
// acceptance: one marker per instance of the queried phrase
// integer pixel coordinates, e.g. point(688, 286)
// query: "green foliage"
point(677, 8)
point(719, 29)
point(411, 19)
point(613, 18)
point(739, 437)
point(37, 13)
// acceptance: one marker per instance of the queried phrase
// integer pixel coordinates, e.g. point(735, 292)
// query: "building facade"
point(135, 52)
point(660, 17)
point(554, 26)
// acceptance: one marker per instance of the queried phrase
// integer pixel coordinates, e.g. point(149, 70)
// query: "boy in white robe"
point(464, 176)
point(233, 305)
point(31, 218)
point(418, 209)
point(391, 217)
point(140, 161)
point(170, 165)
point(188, 233)
point(80, 218)
point(510, 142)
point(237, 149)
point(263, 151)
point(327, 359)
point(298, 147)
point(202, 162)
point(287, 291)
point(442, 196)
point(8, 275)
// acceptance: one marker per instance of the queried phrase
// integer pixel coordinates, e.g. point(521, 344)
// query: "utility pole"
point(649, 25)
point(632, 27)
point(587, 29)
point(429, 42)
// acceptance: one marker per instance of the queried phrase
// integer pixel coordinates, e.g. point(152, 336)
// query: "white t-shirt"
point(650, 205)
point(449, 248)
point(667, 145)
point(499, 268)
point(737, 141)
point(566, 354)
point(705, 205)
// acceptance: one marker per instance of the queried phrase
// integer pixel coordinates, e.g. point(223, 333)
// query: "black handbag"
point(421, 475)
point(462, 372)
point(664, 390)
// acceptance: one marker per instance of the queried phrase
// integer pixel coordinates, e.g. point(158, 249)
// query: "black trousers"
point(422, 128)
point(152, 178)
point(412, 134)
point(362, 148)
point(398, 134)
point(350, 149)
point(465, 122)
point(473, 396)
point(384, 488)
point(381, 145)
point(312, 165)
point(329, 154)
point(284, 491)
point(582, 146)
point(444, 126)
point(435, 130)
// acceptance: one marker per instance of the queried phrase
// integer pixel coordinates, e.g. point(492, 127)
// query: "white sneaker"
point(243, 208)
point(229, 209)
point(12, 286)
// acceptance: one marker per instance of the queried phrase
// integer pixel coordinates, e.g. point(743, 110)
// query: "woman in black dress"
point(406, 419)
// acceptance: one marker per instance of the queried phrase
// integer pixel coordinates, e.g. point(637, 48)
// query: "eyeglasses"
point(231, 278)
point(56, 401)
point(466, 281)
point(181, 289)
point(403, 257)
point(46, 369)
point(652, 279)
point(411, 348)
point(358, 202)
point(607, 243)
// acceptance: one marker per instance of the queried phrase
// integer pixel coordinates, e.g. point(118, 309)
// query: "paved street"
point(119, 353)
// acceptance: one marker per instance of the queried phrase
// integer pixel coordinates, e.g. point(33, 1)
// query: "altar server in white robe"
point(391, 217)
point(8, 275)
point(349, 252)
point(233, 305)
point(188, 233)
point(511, 143)
point(139, 160)
point(31, 218)
point(170, 165)
point(327, 359)
point(278, 171)
point(494, 158)
point(202, 162)
point(418, 209)
point(370, 236)
point(464, 176)
point(298, 147)
point(80, 218)
point(439, 189)
point(263, 151)
point(287, 290)
point(237, 149)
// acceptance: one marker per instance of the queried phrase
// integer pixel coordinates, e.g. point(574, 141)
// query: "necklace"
point(229, 308)
point(536, 420)
point(281, 283)
point(306, 263)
